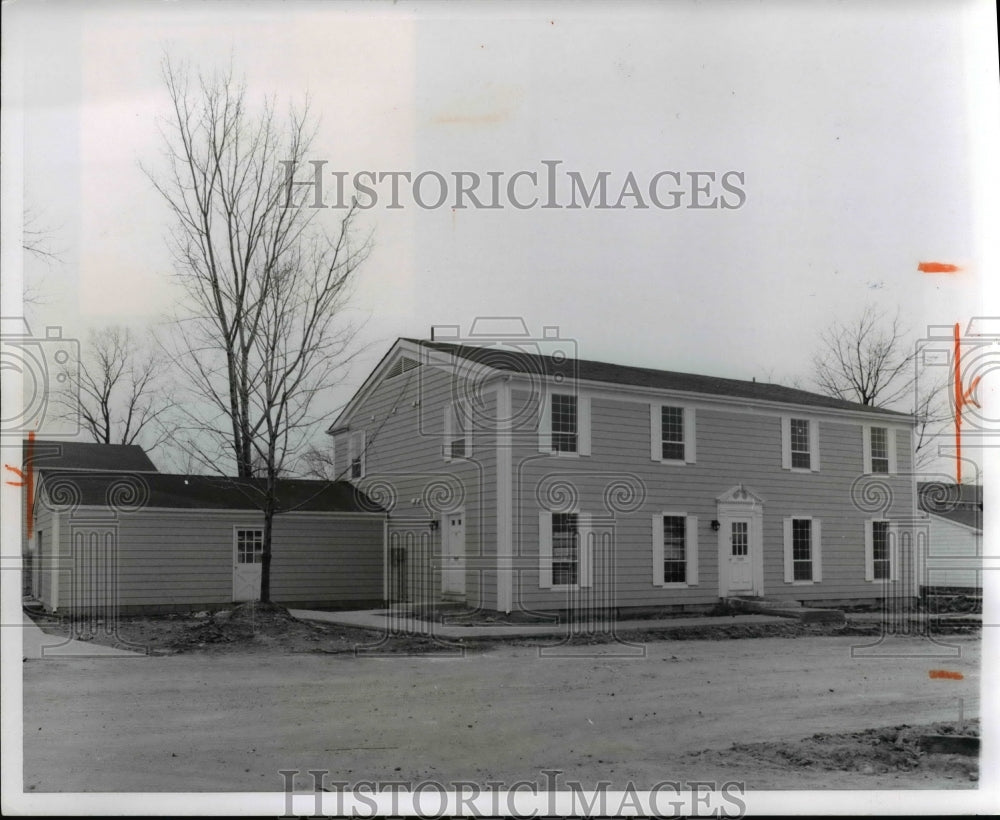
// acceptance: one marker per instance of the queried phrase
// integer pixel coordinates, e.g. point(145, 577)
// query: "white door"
point(453, 558)
point(247, 553)
point(740, 560)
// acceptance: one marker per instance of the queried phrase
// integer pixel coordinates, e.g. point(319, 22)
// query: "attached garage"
point(154, 542)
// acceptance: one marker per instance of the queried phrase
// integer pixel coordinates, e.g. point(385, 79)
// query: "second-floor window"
point(356, 454)
point(456, 435)
point(564, 423)
point(672, 433)
point(880, 450)
point(800, 444)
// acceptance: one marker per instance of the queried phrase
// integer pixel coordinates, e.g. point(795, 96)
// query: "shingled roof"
point(50, 454)
point(958, 503)
point(132, 490)
point(584, 370)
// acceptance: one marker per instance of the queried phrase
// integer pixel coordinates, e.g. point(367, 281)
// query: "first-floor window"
point(565, 548)
point(249, 546)
point(674, 549)
point(880, 550)
point(802, 568)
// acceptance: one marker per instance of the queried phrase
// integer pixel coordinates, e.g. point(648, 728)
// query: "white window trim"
point(451, 416)
point(353, 451)
point(890, 437)
point(690, 550)
point(656, 433)
point(584, 548)
point(786, 444)
point(582, 425)
point(893, 538)
point(816, 551)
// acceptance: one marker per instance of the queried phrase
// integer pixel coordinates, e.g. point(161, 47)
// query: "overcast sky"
point(860, 132)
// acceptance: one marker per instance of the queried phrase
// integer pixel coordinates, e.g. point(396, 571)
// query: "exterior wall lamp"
point(715, 525)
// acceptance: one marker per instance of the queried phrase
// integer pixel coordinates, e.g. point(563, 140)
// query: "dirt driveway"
point(230, 722)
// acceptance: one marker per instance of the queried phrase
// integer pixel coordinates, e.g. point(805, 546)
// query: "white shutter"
point(657, 550)
point(786, 442)
point(586, 557)
point(583, 425)
point(656, 432)
point(894, 552)
point(866, 448)
point(689, 435)
point(890, 434)
point(789, 565)
point(814, 445)
point(545, 424)
point(691, 550)
point(869, 552)
point(817, 550)
point(449, 413)
point(545, 550)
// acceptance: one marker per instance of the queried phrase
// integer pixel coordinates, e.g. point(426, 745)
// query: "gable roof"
point(592, 371)
point(958, 503)
point(48, 454)
point(133, 490)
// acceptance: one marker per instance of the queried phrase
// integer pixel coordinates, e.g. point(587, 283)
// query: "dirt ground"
point(225, 705)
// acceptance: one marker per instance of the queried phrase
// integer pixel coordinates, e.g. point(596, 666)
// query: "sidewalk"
point(38, 645)
point(384, 620)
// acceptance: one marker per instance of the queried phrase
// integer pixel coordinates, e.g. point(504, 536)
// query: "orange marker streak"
point(29, 466)
point(946, 674)
point(937, 267)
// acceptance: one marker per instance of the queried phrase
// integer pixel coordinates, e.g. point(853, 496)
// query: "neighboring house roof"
point(958, 503)
point(134, 490)
point(87, 455)
point(530, 363)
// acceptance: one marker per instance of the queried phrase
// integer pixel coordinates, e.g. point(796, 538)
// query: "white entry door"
point(248, 551)
point(740, 559)
point(453, 557)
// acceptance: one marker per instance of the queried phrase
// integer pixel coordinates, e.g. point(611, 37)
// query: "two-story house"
point(517, 479)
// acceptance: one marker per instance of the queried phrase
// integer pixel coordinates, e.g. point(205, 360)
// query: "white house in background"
point(955, 556)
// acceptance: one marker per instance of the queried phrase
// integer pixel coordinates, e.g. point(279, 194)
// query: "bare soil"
point(224, 704)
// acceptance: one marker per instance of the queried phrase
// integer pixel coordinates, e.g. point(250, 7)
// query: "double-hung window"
point(671, 433)
point(799, 444)
point(803, 550)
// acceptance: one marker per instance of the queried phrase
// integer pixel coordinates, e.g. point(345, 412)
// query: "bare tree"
point(867, 361)
point(263, 331)
point(871, 361)
point(116, 392)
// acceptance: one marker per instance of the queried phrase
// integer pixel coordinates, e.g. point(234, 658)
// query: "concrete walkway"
point(38, 645)
point(384, 620)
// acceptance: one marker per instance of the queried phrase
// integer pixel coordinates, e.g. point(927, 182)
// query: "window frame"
point(868, 450)
point(356, 453)
point(456, 418)
point(891, 558)
point(545, 432)
point(257, 533)
point(546, 557)
point(688, 433)
point(815, 550)
point(787, 453)
point(690, 550)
